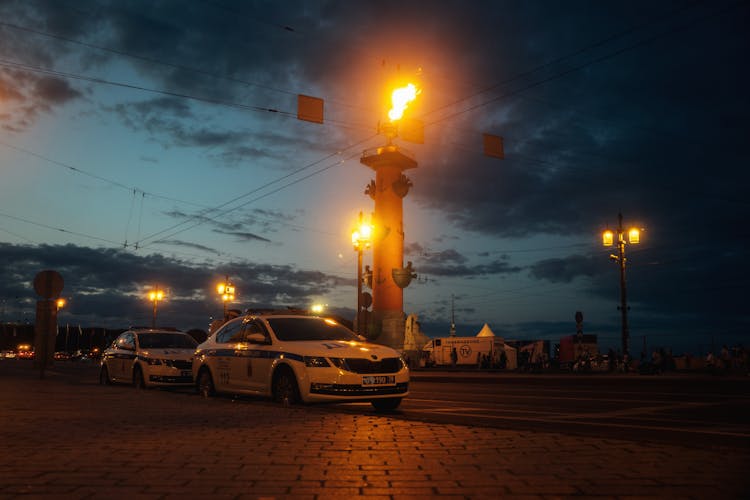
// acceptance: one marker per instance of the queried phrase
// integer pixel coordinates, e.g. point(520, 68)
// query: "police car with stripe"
point(296, 358)
point(148, 357)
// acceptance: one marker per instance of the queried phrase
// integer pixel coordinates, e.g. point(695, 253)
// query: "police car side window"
point(230, 332)
point(126, 341)
point(253, 327)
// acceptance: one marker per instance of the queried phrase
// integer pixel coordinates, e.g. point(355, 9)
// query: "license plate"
point(186, 373)
point(379, 380)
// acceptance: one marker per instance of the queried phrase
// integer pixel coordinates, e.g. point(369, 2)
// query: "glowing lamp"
point(362, 236)
point(608, 238)
point(634, 235)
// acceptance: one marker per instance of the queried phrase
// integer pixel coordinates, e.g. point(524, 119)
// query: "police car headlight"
point(153, 361)
point(316, 362)
point(404, 363)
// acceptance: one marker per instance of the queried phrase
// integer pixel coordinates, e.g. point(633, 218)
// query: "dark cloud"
point(27, 96)
point(565, 270)
point(435, 258)
point(243, 236)
point(496, 267)
point(188, 244)
point(236, 223)
point(107, 287)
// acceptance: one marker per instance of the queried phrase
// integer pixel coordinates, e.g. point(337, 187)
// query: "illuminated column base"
point(392, 325)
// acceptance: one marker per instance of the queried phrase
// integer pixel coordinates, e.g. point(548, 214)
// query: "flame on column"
point(401, 97)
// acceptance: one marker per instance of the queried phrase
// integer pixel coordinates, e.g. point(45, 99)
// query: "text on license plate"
point(379, 380)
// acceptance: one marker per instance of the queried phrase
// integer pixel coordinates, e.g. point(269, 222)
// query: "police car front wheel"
point(285, 389)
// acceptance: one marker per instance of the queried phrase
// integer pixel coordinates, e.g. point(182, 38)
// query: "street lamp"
point(155, 296)
point(361, 240)
point(608, 240)
point(226, 291)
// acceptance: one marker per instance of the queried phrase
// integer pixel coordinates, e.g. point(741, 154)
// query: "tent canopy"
point(486, 331)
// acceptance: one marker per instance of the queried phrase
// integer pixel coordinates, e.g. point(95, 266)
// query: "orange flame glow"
point(401, 97)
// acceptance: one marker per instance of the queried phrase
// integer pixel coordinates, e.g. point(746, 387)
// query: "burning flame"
point(401, 97)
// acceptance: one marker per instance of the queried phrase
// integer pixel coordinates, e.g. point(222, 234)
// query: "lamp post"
point(608, 240)
point(226, 291)
point(155, 296)
point(361, 240)
point(60, 303)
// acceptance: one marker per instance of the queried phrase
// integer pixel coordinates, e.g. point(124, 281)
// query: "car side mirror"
point(256, 338)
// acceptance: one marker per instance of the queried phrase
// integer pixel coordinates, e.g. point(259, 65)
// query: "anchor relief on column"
point(401, 186)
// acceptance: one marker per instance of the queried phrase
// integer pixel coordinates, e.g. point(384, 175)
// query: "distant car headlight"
point(316, 362)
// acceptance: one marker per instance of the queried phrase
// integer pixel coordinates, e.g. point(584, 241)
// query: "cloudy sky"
point(149, 143)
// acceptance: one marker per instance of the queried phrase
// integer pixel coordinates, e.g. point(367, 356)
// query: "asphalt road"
point(700, 410)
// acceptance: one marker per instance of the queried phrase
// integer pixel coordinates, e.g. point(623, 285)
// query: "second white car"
point(147, 358)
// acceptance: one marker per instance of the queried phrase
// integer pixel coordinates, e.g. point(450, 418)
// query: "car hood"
point(168, 353)
point(339, 349)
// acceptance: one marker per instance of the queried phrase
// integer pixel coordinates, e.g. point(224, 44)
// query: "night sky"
point(157, 142)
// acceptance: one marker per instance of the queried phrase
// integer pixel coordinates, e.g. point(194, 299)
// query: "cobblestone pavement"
point(67, 437)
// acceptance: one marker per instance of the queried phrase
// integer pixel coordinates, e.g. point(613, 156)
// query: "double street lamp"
point(155, 296)
point(608, 240)
point(226, 292)
point(361, 240)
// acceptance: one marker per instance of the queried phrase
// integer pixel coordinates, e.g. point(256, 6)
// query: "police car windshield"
point(290, 329)
point(165, 340)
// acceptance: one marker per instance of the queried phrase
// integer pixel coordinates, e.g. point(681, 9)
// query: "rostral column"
point(389, 277)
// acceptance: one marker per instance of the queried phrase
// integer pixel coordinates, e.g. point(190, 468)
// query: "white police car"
point(297, 358)
point(147, 357)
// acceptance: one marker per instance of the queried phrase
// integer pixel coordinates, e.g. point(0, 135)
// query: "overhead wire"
point(210, 100)
point(59, 229)
point(101, 178)
point(135, 189)
point(284, 186)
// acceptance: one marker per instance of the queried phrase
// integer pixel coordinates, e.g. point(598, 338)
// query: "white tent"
point(511, 354)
